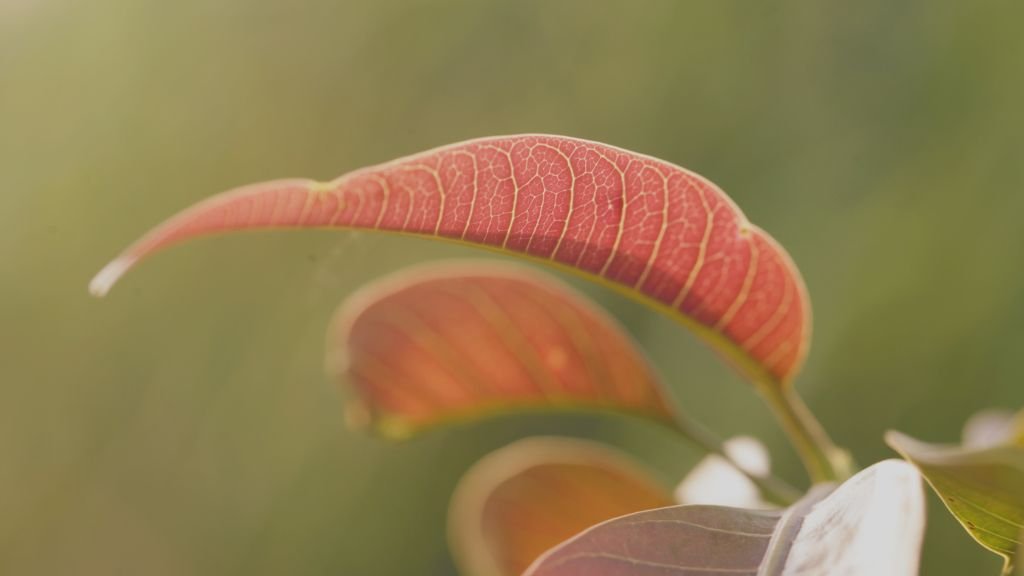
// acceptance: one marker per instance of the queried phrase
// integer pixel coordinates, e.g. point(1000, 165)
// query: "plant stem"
point(773, 489)
point(825, 462)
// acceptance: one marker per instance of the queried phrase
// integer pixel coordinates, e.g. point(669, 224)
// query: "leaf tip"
point(357, 415)
point(894, 439)
point(392, 428)
point(105, 279)
point(902, 444)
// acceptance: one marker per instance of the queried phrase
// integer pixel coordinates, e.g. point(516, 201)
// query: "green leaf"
point(1020, 552)
point(871, 525)
point(1017, 434)
point(983, 488)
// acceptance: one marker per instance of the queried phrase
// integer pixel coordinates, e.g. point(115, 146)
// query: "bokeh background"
point(184, 425)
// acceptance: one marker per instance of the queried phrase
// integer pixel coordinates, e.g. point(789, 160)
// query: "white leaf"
point(872, 525)
point(988, 428)
point(715, 481)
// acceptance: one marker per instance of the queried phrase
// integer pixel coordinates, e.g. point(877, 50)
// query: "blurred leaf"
point(531, 495)
point(717, 481)
point(872, 524)
point(1020, 551)
point(685, 540)
point(989, 428)
point(662, 233)
point(1017, 432)
point(983, 488)
point(460, 341)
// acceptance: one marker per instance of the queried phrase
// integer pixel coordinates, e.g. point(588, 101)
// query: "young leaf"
point(461, 341)
point(454, 342)
point(533, 494)
point(660, 232)
point(983, 488)
point(872, 525)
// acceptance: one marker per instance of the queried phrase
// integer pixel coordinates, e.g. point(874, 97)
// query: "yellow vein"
point(572, 201)
point(656, 250)
point(476, 189)
point(776, 318)
point(709, 224)
point(622, 211)
point(385, 197)
point(744, 293)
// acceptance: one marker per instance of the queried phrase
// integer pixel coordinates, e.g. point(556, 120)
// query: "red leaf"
point(645, 225)
point(532, 495)
point(433, 345)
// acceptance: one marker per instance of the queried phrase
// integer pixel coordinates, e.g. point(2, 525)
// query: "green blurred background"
point(184, 424)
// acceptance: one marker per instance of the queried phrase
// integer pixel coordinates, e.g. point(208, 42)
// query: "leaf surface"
point(531, 495)
point(871, 525)
point(459, 341)
point(683, 540)
point(658, 231)
point(1020, 551)
point(983, 488)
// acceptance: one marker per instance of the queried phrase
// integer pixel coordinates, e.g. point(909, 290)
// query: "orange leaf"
point(650, 227)
point(530, 496)
point(443, 343)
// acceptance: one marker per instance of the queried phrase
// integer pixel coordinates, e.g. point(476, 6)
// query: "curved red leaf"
point(532, 495)
point(646, 225)
point(437, 344)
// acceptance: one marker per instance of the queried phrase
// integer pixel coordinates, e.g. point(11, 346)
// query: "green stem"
point(825, 462)
point(773, 489)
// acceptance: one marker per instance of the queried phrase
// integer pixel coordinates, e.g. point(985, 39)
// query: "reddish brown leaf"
point(532, 495)
point(650, 227)
point(453, 342)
